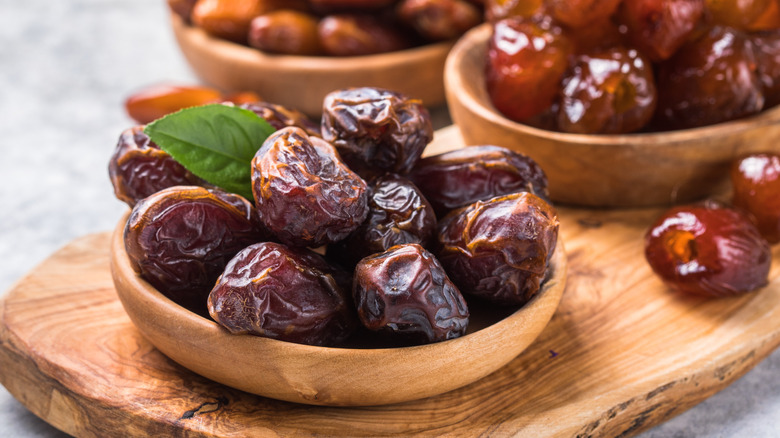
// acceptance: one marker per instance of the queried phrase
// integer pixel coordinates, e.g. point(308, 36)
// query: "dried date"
point(305, 195)
point(499, 249)
point(376, 130)
point(284, 293)
point(280, 117)
point(438, 20)
point(181, 238)
point(139, 168)
point(357, 35)
point(458, 178)
point(405, 292)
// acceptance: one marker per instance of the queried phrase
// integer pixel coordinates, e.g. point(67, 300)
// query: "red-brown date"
point(581, 13)
point(151, 103)
point(330, 6)
point(181, 238)
point(139, 168)
point(766, 46)
point(397, 213)
point(376, 130)
point(280, 117)
point(659, 27)
point(287, 32)
point(438, 20)
point(357, 35)
point(526, 60)
point(405, 291)
point(305, 195)
point(477, 173)
point(607, 92)
point(710, 80)
point(289, 294)
point(736, 13)
point(708, 250)
point(499, 9)
point(756, 181)
point(499, 249)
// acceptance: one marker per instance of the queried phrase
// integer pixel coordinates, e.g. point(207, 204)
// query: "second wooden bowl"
point(332, 376)
point(605, 170)
point(301, 82)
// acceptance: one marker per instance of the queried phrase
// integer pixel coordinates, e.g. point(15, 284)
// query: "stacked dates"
point(620, 66)
point(394, 263)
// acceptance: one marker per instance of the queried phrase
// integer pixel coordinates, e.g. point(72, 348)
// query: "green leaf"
point(215, 142)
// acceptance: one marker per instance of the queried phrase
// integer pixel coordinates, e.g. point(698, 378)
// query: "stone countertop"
point(65, 69)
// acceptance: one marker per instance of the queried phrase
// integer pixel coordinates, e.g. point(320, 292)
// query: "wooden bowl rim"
point(552, 290)
point(476, 38)
point(224, 49)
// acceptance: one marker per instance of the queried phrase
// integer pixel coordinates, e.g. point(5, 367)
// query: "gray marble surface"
point(65, 68)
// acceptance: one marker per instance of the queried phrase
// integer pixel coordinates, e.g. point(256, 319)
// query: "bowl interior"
point(627, 170)
point(301, 82)
point(332, 376)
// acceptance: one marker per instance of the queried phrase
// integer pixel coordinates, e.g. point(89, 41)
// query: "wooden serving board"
point(621, 354)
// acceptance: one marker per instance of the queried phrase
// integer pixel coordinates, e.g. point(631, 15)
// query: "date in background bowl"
point(301, 82)
point(332, 376)
point(605, 170)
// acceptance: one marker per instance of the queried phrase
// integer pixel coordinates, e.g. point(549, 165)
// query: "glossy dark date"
point(499, 249)
point(455, 179)
point(405, 291)
point(397, 213)
point(376, 130)
point(280, 117)
point(139, 168)
point(279, 292)
point(181, 238)
point(305, 195)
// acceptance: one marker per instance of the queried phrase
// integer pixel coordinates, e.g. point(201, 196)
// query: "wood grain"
point(621, 354)
point(630, 170)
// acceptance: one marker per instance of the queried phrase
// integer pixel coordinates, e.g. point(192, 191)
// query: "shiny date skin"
point(499, 249)
point(376, 130)
point(139, 168)
point(458, 178)
point(756, 181)
point(398, 213)
point(359, 34)
point(405, 292)
point(280, 117)
point(438, 20)
point(181, 238)
point(305, 195)
point(279, 292)
point(659, 27)
point(708, 250)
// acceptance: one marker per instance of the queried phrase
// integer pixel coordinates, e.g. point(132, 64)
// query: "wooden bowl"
point(331, 376)
point(605, 170)
point(301, 82)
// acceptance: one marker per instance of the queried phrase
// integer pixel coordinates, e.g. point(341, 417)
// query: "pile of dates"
point(621, 66)
point(406, 239)
point(331, 27)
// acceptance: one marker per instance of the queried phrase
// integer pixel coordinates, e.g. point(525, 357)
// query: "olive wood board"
point(621, 354)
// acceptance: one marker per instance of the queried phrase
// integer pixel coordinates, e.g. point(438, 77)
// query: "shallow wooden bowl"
point(301, 82)
point(605, 170)
point(331, 376)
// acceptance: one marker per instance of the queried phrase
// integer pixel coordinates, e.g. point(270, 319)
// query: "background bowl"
point(331, 376)
point(605, 170)
point(301, 82)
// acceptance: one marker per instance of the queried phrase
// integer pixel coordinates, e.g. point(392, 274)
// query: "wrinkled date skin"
point(357, 35)
point(710, 80)
point(398, 213)
point(405, 291)
point(181, 238)
point(756, 180)
point(438, 20)
point(659, 27)
point(458, 178)
point(139, 168)
point(526, 60)
point(499, 249)
point(291, 294)
point(376, 130)
point(305, 195)
point(287, 32)
point(708, 250)
point(609, 92)
point(280, 117)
